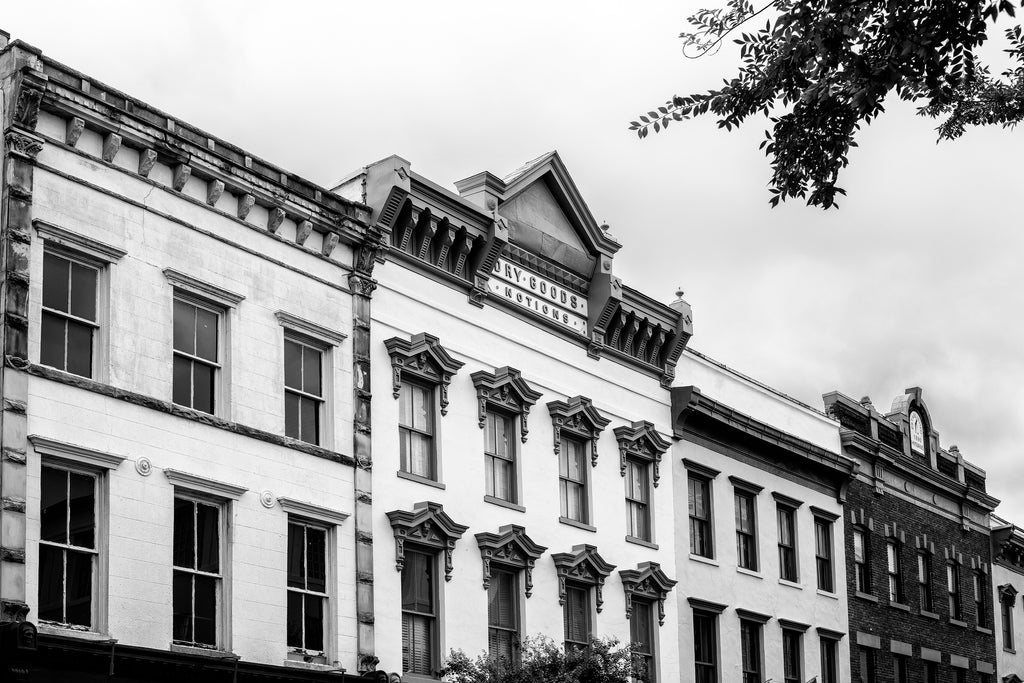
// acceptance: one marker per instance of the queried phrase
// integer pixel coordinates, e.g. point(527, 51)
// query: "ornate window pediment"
point(1008, 594)
point(583, 565)
point(649, 582)
point(505, 389)
point(422, 358)
point(429, 526)
point(510, 547)
point(579, 417)
point(641, 440)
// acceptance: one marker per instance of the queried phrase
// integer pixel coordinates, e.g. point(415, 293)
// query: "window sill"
point(929, 615)
point(957, 622)
point(311, 666)
point(203, 651)
point(577, 524)
point(791, 584)
point(982, 629)
point(418, 678)
point(827, 594)
point(866, 596)
point(640, 541)
point(1011, 650)
point(706, 560)
point(749, 572)
point(72, 632)
point(420, 480)
point(504, 503)
point(899, 606)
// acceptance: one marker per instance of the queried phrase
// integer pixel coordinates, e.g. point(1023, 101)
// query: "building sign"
point(526, 289)
point(916, 433)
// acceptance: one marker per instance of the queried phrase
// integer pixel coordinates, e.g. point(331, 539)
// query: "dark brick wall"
point(891, 623)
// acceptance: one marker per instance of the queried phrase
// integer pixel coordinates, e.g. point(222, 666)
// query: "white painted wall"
point(1008, 660)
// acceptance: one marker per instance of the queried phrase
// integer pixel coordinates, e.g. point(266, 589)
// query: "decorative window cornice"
point(578, 417)
point(744, 485)
point(826, 515)
point(429, 526)
point(422, 358)
point(311, 511)
point(309, 328)
point(699, 469)
point(506, 389)
point(1008, 594)
point(74, 453)
point(510, 547)
point(87, 245)
point(647, 581)
point(202, 289)
point(583, 565)
point(786, 501)
point(641, 440)
point(706, 605)
point(749, 615)
point(212, 487)
point(790, 625)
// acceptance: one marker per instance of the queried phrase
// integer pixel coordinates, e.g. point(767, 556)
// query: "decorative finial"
point(866, 402)
point(954, 450)
point(605, 227)
point(679, 292)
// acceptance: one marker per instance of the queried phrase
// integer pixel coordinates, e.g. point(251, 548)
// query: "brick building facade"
point(917, 548)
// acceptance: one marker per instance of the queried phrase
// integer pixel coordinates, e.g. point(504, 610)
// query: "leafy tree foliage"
point(820, 69)
point(542, 661)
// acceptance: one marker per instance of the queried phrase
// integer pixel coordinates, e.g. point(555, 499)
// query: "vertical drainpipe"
point(23, 94)
point(362, 284)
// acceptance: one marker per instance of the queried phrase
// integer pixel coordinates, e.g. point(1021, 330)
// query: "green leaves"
point(823, 68)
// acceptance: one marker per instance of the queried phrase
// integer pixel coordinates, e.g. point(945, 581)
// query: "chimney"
point(483, 189)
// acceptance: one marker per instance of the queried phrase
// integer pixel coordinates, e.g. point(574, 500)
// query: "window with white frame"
point(828, 647)
point(980, 606)
point(303, 389)
point(503, 629)
point(416, 429)
point(419, 613)
point(746, 530)
point(198, 582)
point(699, 502)
point(894, 563)
point(792, 656)
point(785, 512)
point(641, 635)
point(638, 499)
point(581, 576)
point(307, 587)
point(576, 426)
point(862, 561)
point(705, 646)
point(576, 616)
point(924, 580)
point(956, 610)
point(500, 456)
point(823, 553)
point(640, 451)
point(750, 651)
point(572, 480)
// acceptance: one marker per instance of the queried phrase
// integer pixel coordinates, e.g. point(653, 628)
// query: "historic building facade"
point(1007, 583)
point(177, 434)
point(919, 561)
point(760, 485)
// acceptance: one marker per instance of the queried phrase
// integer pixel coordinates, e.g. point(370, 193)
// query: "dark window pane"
point(206, 334)
point(182, 381)
point(294, 619)
point(51, 583)
point(79, 588)
point(184, 326)
point(55, 282)
point(53, 505)
point(83, 291)
point(310, 420)
point(202, 389)
point(296, 561)
point(184, 533)
point(291, 415)
point(316, 560)
point(292, 364)
point(52, 342)
point(206, 610)
point(314, 623)
point(207, 538)
point(82, 518)
point(311, 370)
point(79, 349)
point(417, 583)
point(182, 600)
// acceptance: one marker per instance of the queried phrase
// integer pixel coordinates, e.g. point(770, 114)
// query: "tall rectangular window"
point(416, 429)
point(307, 587)
point(705, 647)
point(787, 543)
point(746, 531)
point(500, 456)
point(894, 563)
point(792, 656)
point(961, 675)
point(572, 479)
point(1006, 617)
point(638, 492)
point(924, 581)
point(419, 614)
point(641, 634)
point(956, 610)
point(69, 320)
point(867, 665)
point(303, 390)
point(979, 600)
point(503, 615)
point(700, 516)
point(823, 553)
point(931, 672)
point(196, 354)
point(67, 547)
point(862, 561)
point(577, 617)
point(829, 669)
point(750, 647)
point(900, 669)
point(197, 590)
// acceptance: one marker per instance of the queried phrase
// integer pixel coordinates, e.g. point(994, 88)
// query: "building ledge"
point(504, 503)
point(866, 596)
point(705, 560)
point(928, 615)
point(578, 524)
point(420, 480)
point(640, 541)
point(957, 622)
point(899, 606)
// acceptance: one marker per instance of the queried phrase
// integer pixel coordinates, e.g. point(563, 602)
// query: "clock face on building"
point(916, 433)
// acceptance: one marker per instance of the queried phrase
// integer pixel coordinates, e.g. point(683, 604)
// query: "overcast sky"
point(915, 281)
